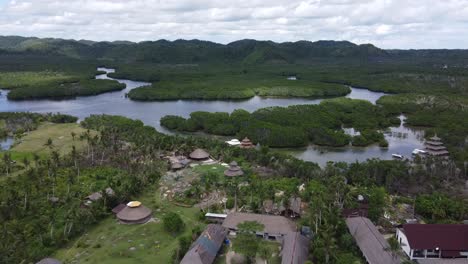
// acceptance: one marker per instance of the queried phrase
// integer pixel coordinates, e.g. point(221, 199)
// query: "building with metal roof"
point(373, 245)
point(295, 248)
point(205, 249)
point(421, 241)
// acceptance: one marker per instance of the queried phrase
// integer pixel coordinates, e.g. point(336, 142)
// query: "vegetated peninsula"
point(295, 126)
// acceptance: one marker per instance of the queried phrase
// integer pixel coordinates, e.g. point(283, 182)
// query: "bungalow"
point(421, 241)
point(275, 227)
point(206, 247)
point(370, 241)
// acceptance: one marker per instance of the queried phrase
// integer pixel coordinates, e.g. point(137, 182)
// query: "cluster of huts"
point(294, 244)
point(180, 162)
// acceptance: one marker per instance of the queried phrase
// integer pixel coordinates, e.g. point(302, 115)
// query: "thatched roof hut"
point(49, 261)
point(199, 154)
point(233, 170)
point(134, 213)
point(176, 166)
point(246, 143)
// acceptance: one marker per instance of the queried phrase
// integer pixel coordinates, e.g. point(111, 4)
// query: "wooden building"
point(435, 147)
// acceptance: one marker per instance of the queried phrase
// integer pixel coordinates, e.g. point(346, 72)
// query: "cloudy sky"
point(385, 23)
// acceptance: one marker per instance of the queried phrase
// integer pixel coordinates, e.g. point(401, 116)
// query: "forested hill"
point(196, 51)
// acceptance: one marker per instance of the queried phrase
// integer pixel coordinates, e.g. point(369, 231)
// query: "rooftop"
point(431, 236)
point(272, 224)
point(295, 249)
point(372, 244)
point(206, 247)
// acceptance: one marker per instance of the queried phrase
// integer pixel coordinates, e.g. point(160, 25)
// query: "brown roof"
point(206, 247)
point(372, 244)
point(435, 138)
point(434, 143)
point(139, 214)
point(118, 208)
point(176, 166)
point(234, 170)
point(97, 195)
point(431, 236)
point(295, 249)
point(295, 205)
point(49, 261)
point(246, 143)
point(199, 154)
point(272, 224)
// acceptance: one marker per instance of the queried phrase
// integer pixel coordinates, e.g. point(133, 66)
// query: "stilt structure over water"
point(435, 147)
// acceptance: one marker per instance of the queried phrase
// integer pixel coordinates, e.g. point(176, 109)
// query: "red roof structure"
point(443, 236)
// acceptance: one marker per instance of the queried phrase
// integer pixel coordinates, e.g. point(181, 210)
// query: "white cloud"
point(385, 23)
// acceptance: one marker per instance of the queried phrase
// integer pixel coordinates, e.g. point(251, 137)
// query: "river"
point(402, 140)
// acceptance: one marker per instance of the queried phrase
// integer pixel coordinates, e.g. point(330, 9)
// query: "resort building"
point(423, 241)
point(207, 246)
point(295, 249)
point(134, 213)
point(373, 245)
point(275, 227)
point(233, 170)
point(246, 143)
point(435, 147)
point(199, 154)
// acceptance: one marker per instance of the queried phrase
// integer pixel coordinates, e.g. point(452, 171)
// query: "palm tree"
point(49, 143)
point(8, 161)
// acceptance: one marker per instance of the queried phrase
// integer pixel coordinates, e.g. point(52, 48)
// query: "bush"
point(173, 223)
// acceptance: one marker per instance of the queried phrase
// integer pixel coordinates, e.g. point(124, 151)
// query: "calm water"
point(5, 143)
point(115, 103)
point(402, 140)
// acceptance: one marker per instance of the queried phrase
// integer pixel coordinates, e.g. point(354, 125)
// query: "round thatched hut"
point(49, 261)
point(246, 143)
point(134, 213)
point(233, 170)
point(176, 166)
point(199, 154)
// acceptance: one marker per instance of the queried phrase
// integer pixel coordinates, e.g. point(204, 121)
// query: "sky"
point(400, 24)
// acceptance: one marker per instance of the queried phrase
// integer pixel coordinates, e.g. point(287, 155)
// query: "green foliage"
point(377, 203)
point(293, 126)
point(173, 223)
point(439, 208)
point(246, 244)
point(65, 90)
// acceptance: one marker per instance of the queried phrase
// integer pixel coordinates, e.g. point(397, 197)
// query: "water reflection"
point(401, 139)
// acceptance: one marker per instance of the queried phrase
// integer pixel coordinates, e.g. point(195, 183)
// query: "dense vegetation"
point(125, 156)
point(210, 83)
point(295, 125)
point(65, 90)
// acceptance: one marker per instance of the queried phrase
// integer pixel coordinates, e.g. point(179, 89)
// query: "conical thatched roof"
point(176, 166)
point(234, 170)
point(49, 261)
point(199, 154)
point(133, 214)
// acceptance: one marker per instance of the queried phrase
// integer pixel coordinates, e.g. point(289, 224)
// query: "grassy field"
point(60, 134)
point(111, 242)
point(12, 80)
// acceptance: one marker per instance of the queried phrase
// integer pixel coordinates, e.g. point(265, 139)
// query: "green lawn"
point(12, 80)
point(111, 242)
point(60, 134)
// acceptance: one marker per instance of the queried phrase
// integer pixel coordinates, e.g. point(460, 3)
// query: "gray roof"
point(295, 205)
point(206, 247)
point(140, 214)
point(372, 244)
point(49, 261)
point(273, 224)
point(199, 154)
point(234, 170)
point(295, 249)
